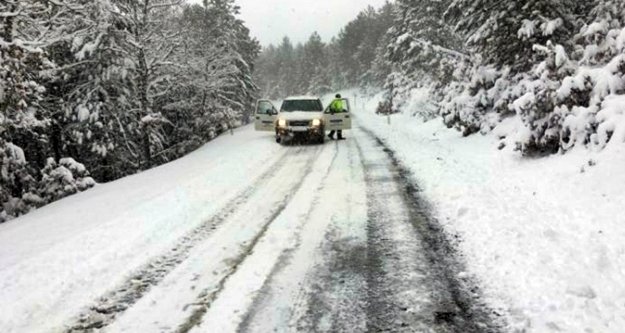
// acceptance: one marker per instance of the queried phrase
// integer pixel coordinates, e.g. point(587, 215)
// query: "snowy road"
point(242, 236)
point(246, 235)
point(327, 238)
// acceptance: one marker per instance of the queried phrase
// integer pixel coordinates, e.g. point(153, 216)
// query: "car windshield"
point(311, 105)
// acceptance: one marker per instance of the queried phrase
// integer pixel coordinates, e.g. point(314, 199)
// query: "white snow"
point(551, 26)
point(72, 165)
point(544, 237)
point(561, 56)
point(57, 260)
point(82, 112)
point(612, 122)
point(16, 152)
point(596, 28)
point(527, 30)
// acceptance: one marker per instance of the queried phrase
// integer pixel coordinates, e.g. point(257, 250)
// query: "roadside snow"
point(57, 260)
point(545, 237)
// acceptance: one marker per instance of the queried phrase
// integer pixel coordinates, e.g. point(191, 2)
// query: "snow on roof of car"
point(298, 98)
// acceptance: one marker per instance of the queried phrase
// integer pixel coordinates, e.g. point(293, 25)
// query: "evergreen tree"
point(88, 92)
point(287, 66)
point(504, 32)
point(421, 40)
point(315, 65)
point(117, 85)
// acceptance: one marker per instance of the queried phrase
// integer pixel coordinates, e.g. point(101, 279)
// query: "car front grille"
point(299, 123)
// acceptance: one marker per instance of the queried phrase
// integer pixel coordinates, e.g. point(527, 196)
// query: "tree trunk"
point(7, 32)
point(57, 141)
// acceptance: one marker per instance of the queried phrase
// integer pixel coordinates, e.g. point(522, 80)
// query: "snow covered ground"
point(544, 237)
point(242, 235)
point(57, 260)
point(245, 234)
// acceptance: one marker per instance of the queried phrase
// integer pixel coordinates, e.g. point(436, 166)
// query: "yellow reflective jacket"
point(336, 106)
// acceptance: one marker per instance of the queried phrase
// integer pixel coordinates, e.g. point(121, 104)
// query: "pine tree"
point(87, 92)
point(504, 32)
point(151, 44)
point(17, 184)
point(62, 179)
point(315, 66)
point(215, 88)
point(119, 85)
point(421, 40)
point(348, 60)
point(287, 64)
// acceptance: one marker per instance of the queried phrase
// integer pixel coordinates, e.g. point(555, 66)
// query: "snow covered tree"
point(504, 32)
point(287, 61)
point(23, 62)
point(353, 51)
point(240, 52)
point(88, 91)
point(421, 40)
point(215, 88)
point(422, 49)
point(149, 42)
point(501, 38)
point(315, 66)
point(17, 185)
point(568, 104)
point(29, 33)
point(62, 179)
point(266, 73)
point(358, 41)
point(119, 85)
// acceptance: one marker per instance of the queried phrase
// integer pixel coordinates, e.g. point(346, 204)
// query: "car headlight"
point(316, 122)
point(281, 122)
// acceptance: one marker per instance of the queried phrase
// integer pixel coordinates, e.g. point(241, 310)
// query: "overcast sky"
point(270, 20)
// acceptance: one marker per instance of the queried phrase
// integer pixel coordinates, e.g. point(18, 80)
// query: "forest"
point(92, 91)
point(558, 65)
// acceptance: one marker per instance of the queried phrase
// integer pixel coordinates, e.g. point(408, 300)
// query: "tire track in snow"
point(456, 301)
point(207, 297)
point(397, 296)
point(333, 291)
point(115, 302)
point(262, 298)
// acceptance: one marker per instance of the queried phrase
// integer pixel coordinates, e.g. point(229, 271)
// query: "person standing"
point(337, 107)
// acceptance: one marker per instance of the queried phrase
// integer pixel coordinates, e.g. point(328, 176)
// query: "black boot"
point(331, 135)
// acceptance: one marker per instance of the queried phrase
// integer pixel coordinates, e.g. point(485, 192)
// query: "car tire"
point(322, 137)
point(283, 140)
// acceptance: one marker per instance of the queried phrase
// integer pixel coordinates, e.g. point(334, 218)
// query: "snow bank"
point(58, 259)
point(545, 237)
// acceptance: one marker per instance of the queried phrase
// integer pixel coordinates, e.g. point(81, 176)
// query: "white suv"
point(300, 116)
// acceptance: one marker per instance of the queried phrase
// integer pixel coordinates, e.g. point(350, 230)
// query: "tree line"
point(91, 91)
point(557, 65)
point(316, 67)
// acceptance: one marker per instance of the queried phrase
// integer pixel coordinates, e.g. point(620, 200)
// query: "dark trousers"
point(339, 131)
